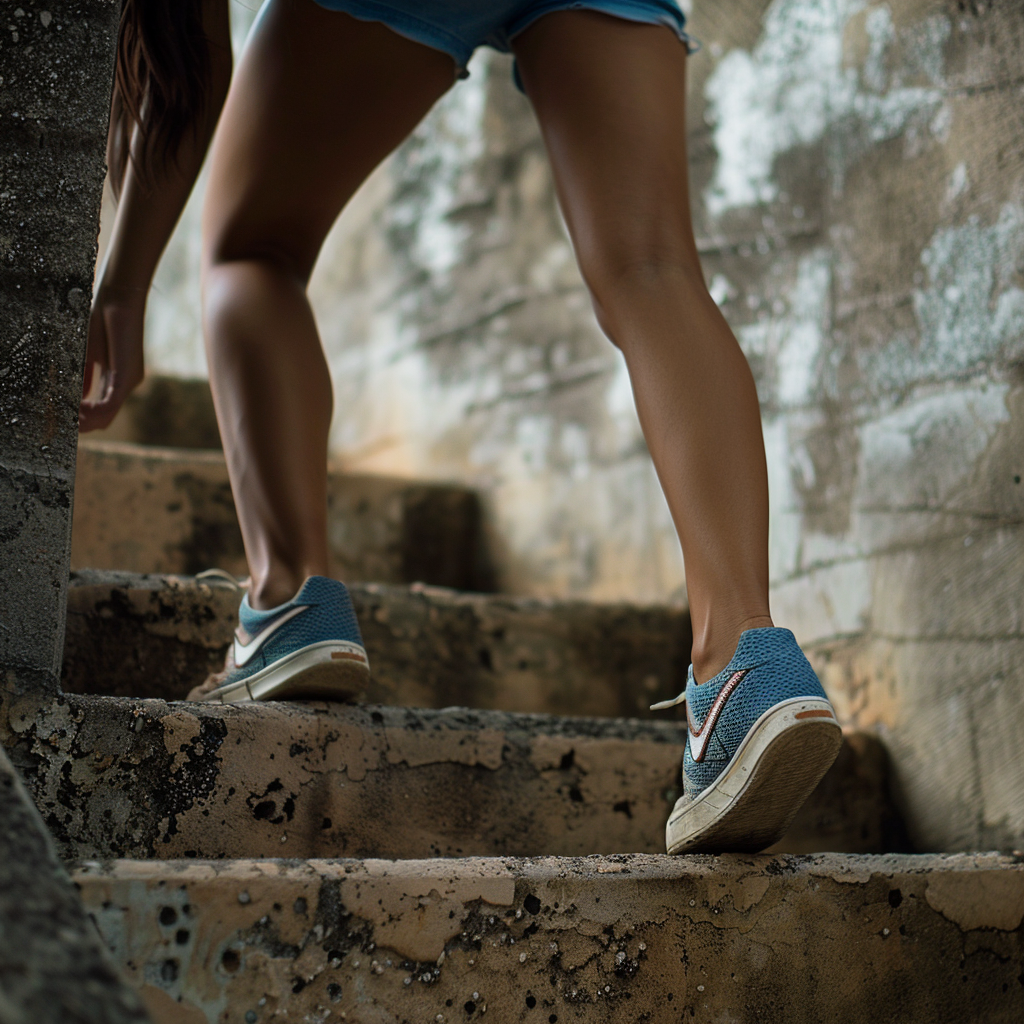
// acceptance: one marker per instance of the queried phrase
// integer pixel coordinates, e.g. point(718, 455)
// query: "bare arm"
point(152, 198)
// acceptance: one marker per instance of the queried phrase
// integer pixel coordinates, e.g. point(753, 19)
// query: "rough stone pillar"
point(52, 966)
point(56, 62)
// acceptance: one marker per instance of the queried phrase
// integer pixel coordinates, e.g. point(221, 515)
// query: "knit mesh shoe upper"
point(321, 610)
point(771, 668)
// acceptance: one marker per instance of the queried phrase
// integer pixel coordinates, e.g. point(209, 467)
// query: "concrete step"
point(170, 510)
point(168, 412)
point(115, 777)
point(53, 967)
point(157, 636)
point(777, 940)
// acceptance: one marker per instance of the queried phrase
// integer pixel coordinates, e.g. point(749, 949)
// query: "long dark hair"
point(160, 82)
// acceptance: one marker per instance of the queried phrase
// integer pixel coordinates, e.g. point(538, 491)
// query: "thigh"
point(318, 100)
point(610, 97)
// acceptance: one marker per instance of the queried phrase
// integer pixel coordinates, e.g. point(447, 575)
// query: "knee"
point(240, 286)
point(240, 237)
point(239, 299)
point(220, 296)
point(274, 254)
point(624, 281)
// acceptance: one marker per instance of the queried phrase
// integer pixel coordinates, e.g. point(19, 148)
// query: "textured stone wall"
point(56, 61)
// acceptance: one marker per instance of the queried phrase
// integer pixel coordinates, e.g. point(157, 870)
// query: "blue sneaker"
point(306, 649)
point(761, 735)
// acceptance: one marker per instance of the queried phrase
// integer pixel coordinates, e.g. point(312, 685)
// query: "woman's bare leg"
point(610, 98)
point(318, 100)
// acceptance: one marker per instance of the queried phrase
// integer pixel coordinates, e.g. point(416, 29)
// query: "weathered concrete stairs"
point(164, 806)
point(194, 793)
point(206, 840)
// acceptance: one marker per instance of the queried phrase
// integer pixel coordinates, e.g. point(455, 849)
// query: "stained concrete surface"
point(149, 779)
point(782, 940)
point(158, 636)
point(168, 412)
point(56, 66)
point(53, 968)
point(131, 778)
point(169, 510)
point(155, 636)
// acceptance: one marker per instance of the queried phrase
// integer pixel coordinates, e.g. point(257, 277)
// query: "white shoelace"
point(664, 705)
point(221, 578)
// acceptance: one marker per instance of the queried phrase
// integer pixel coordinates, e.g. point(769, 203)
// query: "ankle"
point(713, 650)
point(276, 588)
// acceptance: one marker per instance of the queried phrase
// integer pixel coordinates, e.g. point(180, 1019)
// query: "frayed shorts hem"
point(454, 32)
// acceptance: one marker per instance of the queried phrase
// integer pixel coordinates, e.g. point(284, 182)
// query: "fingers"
point(113, 361)
point(98, 412)
point(96, 376)
point(95, 413)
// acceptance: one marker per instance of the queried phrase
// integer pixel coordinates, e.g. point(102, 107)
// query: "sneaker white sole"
point(776, 768)
point(329, 670)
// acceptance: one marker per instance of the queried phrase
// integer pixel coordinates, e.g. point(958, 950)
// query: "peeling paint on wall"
point(798, 82)
point(969, 310)
point(786, 345)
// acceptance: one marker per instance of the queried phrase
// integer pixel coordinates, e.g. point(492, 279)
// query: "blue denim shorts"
point(458, 27)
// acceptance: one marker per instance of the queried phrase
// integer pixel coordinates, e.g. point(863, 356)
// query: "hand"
point(114, 362)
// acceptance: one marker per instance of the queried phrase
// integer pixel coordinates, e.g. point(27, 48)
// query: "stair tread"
point(166, 411)
point(151, 635)
point(158, 635)
point(996, 908)
point(152, 778)
point(118, 776)
point(634, 937)
point(174, 512)
point(149, 778)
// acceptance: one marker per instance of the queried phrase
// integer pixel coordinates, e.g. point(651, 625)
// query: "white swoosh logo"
point(699, 737)
point(244, 653)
